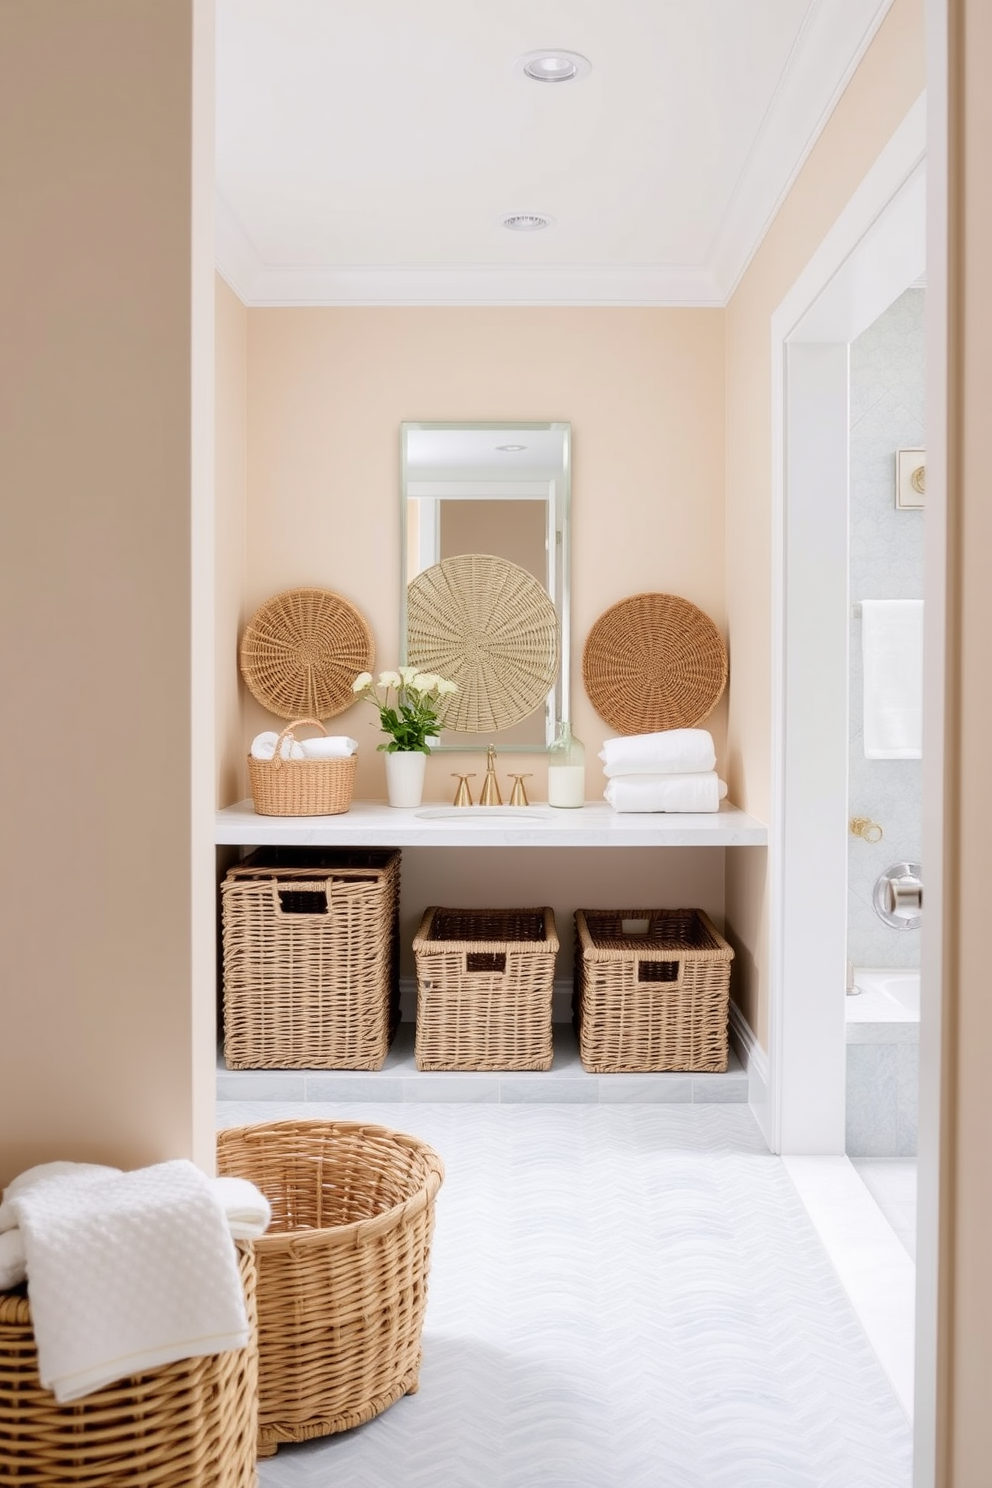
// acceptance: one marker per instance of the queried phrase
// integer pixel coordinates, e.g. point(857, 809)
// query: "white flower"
point(407, 675)
point(389, 679)
point(424, 682)
point(446, 688)
point(360, 683)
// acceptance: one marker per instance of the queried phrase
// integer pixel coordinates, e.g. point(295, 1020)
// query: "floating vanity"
point(374, 824)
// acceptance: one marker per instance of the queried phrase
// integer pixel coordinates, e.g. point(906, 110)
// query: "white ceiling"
point(367, 149)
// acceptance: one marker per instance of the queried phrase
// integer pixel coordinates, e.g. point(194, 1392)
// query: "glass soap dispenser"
point(566, 769)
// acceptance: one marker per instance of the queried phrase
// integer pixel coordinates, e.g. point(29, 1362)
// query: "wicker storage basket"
point(484, 984)
point(192, 1424)
point(342, 1270)
point(652, 990)
point(311, 958)
point(307, 787)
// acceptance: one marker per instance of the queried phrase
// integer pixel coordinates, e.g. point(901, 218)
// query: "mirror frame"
point(556, 708)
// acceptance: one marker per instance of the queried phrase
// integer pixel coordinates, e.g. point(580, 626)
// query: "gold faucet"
point(463, 796)
point(490, 786)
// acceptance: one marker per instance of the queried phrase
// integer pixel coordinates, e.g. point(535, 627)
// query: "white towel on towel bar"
point(892, 653)
point(127, 1273)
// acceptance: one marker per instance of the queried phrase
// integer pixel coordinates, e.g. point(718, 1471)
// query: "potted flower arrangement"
point(407, 702)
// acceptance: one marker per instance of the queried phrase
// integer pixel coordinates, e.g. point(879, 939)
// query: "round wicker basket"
point(488, 625)
point(342, 1269)
point(302, 650)
point(652, 662)
point(191, 1424)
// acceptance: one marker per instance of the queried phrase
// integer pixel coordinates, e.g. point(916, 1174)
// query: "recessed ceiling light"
point(553, 66)
point(527, 221)
point(511, 449)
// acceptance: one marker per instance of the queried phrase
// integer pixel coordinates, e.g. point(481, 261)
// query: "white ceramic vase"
point(405, 770)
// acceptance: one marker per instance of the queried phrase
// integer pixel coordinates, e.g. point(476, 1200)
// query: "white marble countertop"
point(434, 824)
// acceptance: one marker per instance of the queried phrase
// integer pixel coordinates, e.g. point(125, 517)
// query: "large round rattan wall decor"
point(302, 650)
point(488, 625)
point(654, 661)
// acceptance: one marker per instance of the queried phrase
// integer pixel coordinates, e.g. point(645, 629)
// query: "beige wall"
point(965, 1423)
point(96, 1024)
point(890, 78)
point(231, 440)
point(328, 389)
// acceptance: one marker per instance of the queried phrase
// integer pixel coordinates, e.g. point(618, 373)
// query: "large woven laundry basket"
point(192, 1424)
point(342, 1269)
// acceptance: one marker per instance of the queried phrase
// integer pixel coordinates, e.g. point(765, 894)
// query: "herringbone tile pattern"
point(620, 1297)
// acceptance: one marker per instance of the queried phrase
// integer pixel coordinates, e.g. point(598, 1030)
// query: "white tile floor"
point(634, 1295)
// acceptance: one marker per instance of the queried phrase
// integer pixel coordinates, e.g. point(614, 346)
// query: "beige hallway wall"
point(96, 1050)
point(964, 1437)
point(890, 78)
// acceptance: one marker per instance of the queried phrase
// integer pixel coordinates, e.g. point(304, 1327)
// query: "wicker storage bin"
point(342, 1270)
point(311, 958)
point(484, 984)
point(192, 1424)
point(652, 990)
point(307, 787)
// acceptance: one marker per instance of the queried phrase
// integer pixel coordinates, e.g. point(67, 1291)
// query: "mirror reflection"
point(500, 489)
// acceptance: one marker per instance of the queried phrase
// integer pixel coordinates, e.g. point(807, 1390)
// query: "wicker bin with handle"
point(191, 1424)
point(342, 1269)
point(311, 958)
point(485, 978)
point(652, 990)
point(301, 787)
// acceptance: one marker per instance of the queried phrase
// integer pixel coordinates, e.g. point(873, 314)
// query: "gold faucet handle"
point(463, 796)
point(863, 826)
point(518, 795)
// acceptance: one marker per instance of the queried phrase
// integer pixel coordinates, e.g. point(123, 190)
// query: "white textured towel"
point(246, 1209)
point(331, 746)
point(892, 653)
point(263, 747)
point(670, 752)
point(127, 1273)
point(697, 792)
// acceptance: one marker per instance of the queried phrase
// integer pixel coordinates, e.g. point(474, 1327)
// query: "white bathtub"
point(884, 997)
point(883, 1036)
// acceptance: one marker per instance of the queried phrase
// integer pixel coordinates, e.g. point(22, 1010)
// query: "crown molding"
point(826, 54)
point(265, 285)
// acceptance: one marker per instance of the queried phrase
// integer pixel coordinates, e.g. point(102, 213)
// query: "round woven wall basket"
point(654, 661)
point(302, 650)
point(490, 626)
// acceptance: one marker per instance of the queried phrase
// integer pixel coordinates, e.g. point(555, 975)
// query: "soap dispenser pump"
point(490, 786)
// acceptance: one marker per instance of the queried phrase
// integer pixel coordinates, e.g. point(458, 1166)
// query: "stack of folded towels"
point(328, 746)
point(674, 770)
point(127, 1271)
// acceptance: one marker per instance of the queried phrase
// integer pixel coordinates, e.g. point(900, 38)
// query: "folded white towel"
point(13, 1267)
point(892, 652)
point(127, 1273)
point(246, 1209)
point(44, 1173)
point(332, 746)
point(670, 752)
point(263, 747)
point(697, 792)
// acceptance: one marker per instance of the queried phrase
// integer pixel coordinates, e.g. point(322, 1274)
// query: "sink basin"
point(484, 813)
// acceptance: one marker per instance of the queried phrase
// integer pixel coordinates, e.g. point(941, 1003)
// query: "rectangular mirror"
point(502, 490)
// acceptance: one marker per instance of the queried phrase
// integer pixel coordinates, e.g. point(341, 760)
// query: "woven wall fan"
point(654, 661)
point(302, 650)
point(488, 625)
